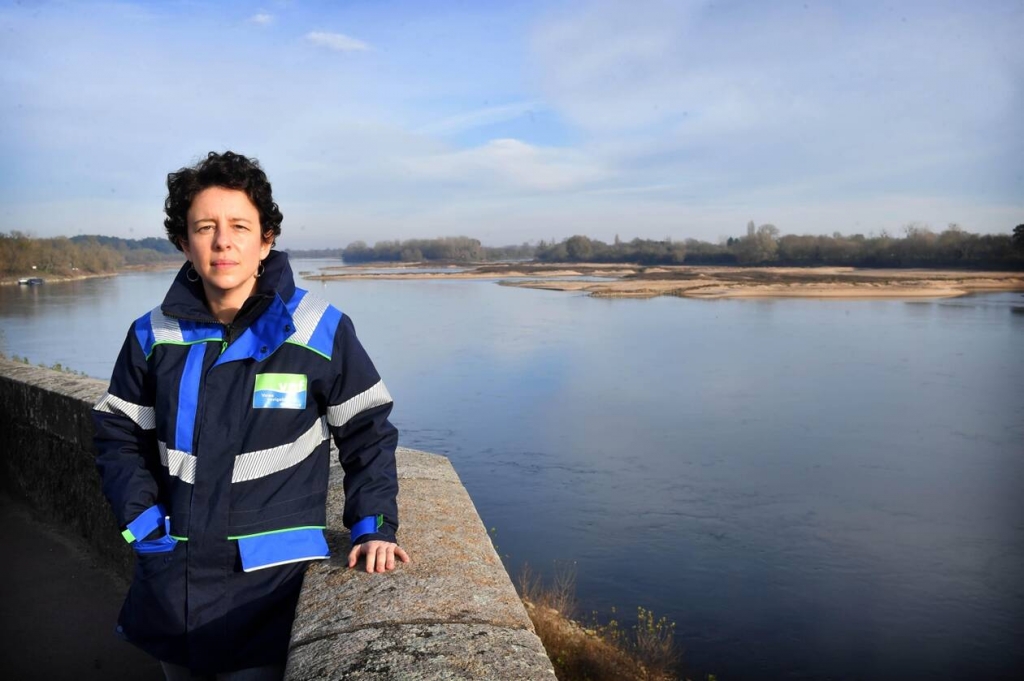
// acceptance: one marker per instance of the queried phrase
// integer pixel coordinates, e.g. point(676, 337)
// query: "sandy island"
point(618, 281)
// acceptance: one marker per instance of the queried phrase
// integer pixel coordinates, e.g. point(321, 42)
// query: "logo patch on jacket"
point(279, 391)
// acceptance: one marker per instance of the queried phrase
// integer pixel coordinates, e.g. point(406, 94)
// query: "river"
point(808, 488)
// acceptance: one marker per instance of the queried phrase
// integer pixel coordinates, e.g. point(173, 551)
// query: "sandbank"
point(625, 281)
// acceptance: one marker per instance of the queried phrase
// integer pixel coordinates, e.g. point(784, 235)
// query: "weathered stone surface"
point(412, 463)
point(455, 574)
point(423, 651)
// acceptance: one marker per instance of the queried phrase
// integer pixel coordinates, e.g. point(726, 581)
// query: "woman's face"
point(225, 244)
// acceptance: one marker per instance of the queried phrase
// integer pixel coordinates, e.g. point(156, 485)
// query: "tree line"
point(21, 254)
point(918, 247)
point(136, 251)
point(445, 249)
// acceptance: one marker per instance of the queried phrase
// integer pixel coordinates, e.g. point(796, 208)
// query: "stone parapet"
point(452, 613)
point(47, 455)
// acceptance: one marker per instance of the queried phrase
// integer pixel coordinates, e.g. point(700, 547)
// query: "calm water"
point(809, 488)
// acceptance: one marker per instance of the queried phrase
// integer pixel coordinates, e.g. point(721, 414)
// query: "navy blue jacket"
point(213, 449)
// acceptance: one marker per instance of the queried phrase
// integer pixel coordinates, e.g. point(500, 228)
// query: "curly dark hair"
point(230, 171)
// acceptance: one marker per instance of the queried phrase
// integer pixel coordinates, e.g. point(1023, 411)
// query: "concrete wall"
point(451, 613)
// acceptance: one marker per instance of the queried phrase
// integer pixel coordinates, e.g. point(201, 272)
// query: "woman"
point(213, 439)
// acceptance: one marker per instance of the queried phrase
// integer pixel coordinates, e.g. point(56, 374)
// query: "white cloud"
point(638, 189)
point(513, 164)
point(829, 100)
point(612, 67)
point(339, 42)
point(262, 19)
point(478, 117)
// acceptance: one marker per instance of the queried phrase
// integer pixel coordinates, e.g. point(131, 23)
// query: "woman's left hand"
point(380, 555)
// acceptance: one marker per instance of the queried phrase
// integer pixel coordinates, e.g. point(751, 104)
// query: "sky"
point(518, 121)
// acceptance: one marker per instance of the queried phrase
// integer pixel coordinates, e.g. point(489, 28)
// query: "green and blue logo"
point(279, 391)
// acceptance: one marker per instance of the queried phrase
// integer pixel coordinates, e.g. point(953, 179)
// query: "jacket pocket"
point(151, 564)
point(153, 615)
point(164, 544)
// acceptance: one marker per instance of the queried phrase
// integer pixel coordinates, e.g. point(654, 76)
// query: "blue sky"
point(516, 121)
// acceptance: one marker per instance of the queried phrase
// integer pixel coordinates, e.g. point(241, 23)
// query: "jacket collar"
point(186, 300)
point(263, 324)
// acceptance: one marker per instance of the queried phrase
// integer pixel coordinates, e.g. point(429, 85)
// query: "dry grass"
point(598, 652)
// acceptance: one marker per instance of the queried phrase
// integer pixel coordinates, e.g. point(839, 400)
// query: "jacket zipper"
point(200, 413)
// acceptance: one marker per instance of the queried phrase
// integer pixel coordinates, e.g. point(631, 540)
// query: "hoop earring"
point(260, 270)
point(190, 271)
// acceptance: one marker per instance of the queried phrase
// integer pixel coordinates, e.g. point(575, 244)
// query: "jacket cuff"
point(144, 524)
point(371, 528)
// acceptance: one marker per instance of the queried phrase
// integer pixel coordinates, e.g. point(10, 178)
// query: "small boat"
point(31, 281)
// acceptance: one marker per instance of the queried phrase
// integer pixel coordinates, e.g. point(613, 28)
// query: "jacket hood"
point(186, 299)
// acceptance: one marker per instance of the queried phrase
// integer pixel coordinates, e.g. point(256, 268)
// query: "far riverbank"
point(48, 278)
point(54, 278)
point(630, 281)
